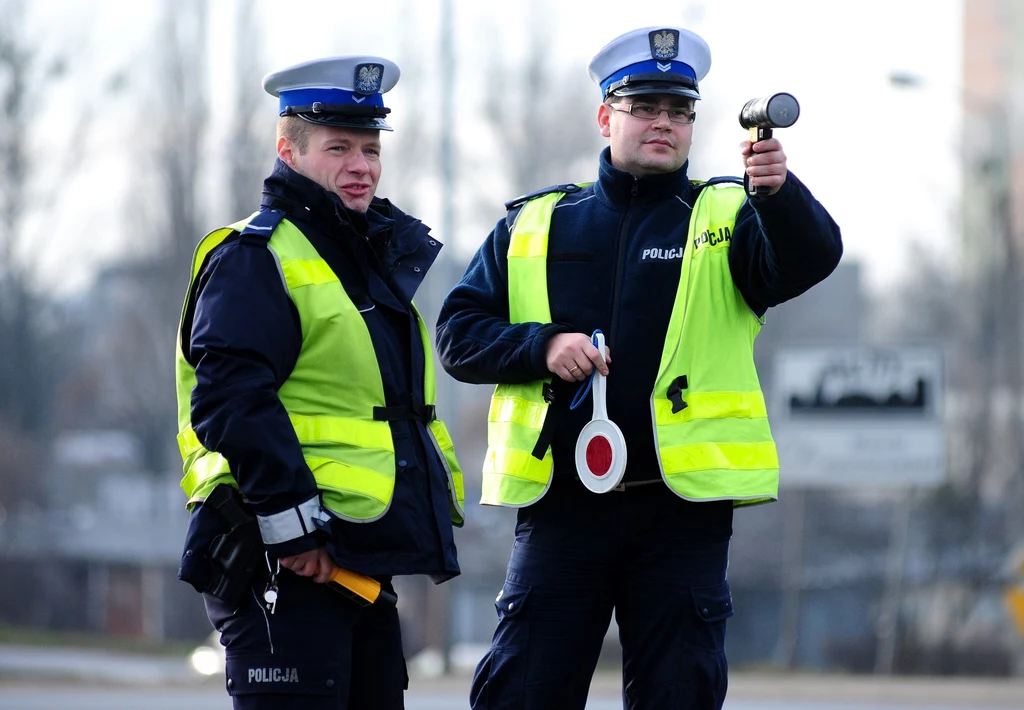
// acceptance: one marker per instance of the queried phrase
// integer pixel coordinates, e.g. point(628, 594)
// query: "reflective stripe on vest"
point(719, 445)
point(512, 475)
point(350, 454)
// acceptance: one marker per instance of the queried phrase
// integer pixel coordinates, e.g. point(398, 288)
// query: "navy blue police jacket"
point(245, 341)
point(615, 252)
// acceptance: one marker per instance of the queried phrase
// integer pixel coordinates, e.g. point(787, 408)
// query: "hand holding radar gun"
point(761, 115)
point(600, 448)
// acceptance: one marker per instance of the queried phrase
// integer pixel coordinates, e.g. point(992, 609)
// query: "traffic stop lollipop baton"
point(761, 116)
point(600, 448)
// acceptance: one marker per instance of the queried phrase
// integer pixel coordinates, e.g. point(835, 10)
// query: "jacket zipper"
point(619, 259)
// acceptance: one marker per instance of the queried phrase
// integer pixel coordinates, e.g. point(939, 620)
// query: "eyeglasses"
point(648, 112)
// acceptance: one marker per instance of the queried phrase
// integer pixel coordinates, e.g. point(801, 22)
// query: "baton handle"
point(359, 588)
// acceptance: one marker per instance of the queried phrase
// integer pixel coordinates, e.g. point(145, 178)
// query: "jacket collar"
point(407, 241)
point(297, 194)
point(619, 188)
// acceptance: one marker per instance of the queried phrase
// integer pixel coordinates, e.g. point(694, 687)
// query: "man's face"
point(345, 161)
point(643, 147)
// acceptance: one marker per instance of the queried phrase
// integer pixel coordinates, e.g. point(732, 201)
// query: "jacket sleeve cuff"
point(792, 187)
point(292, 523)
point(539, 349)
point(295, 546)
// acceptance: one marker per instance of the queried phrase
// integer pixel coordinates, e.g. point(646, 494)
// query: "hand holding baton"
point(601, 447)
point(363, 590)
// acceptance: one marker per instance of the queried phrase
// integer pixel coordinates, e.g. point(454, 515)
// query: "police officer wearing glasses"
point(306, 411)
point(678, 274)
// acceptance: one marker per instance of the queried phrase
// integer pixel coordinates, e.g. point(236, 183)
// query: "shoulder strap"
point(567, 187)
point(257, 232)
point(699, 185)
point(261, 227)
point(513, 206)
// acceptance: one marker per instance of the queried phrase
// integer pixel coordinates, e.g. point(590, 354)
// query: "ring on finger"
point(573, 369)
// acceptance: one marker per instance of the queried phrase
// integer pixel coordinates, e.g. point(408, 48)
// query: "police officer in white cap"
point(306, 411)
point(678, 275)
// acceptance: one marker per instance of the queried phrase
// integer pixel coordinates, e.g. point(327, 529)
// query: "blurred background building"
point(114, 163)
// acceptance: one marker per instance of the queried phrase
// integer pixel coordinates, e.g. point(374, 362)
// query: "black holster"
point(235, 555)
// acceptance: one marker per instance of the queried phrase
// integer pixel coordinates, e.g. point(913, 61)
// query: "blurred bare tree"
point(249, 142)
point(30, 325)
point(180, 118)
point(410, 158)
point(971, 524)
point(141, 296)
point(542, 111)
point(17, 372)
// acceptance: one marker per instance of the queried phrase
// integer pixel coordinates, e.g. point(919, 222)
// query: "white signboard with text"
point(859, 416)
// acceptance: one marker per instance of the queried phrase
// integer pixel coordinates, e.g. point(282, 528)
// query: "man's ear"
point(604, 117)
point(286, 151)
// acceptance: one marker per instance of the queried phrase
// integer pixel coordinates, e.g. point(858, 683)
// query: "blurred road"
point(436, 695)
point(33, 678)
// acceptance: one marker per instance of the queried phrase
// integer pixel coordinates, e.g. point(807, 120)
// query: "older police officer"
point(305, 380)
point(678, 275)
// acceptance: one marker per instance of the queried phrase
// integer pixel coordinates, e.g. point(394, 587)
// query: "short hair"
point(296, 130)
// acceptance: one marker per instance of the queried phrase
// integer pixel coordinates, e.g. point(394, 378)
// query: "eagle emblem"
point(664, 44)
point(368, 78)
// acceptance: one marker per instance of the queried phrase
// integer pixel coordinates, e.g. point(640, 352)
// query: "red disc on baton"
point(601, 447)
point(599, 455)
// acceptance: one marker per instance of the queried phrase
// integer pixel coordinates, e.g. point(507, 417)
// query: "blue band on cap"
point(651, 66)
point(308, 97)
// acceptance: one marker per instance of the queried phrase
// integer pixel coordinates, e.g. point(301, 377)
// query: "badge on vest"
point(600, 448)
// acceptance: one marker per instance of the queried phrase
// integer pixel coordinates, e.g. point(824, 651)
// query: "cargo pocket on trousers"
point(511, 600)
point(274, 675)
point(501, 676)
point(713, 605)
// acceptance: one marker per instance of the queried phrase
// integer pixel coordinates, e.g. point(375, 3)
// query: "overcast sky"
point(890, 179)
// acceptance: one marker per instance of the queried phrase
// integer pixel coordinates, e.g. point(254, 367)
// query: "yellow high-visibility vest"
point(711, 423)
point(351, 455)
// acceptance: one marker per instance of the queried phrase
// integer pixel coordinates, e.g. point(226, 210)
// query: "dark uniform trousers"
point(655, 559)
point(317, 651)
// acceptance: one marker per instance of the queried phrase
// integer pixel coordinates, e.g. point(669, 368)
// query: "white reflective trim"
point(453, 494)
point(572, 203)
point(292, 523)
point(280, 272)
point(367, 310)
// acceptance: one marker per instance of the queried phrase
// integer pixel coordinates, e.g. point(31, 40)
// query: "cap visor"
point(341, 121)
point(656, 88)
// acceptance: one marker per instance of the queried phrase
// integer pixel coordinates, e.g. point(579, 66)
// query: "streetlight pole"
point(448, 261)
point(438, 598)
point(447, 117)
